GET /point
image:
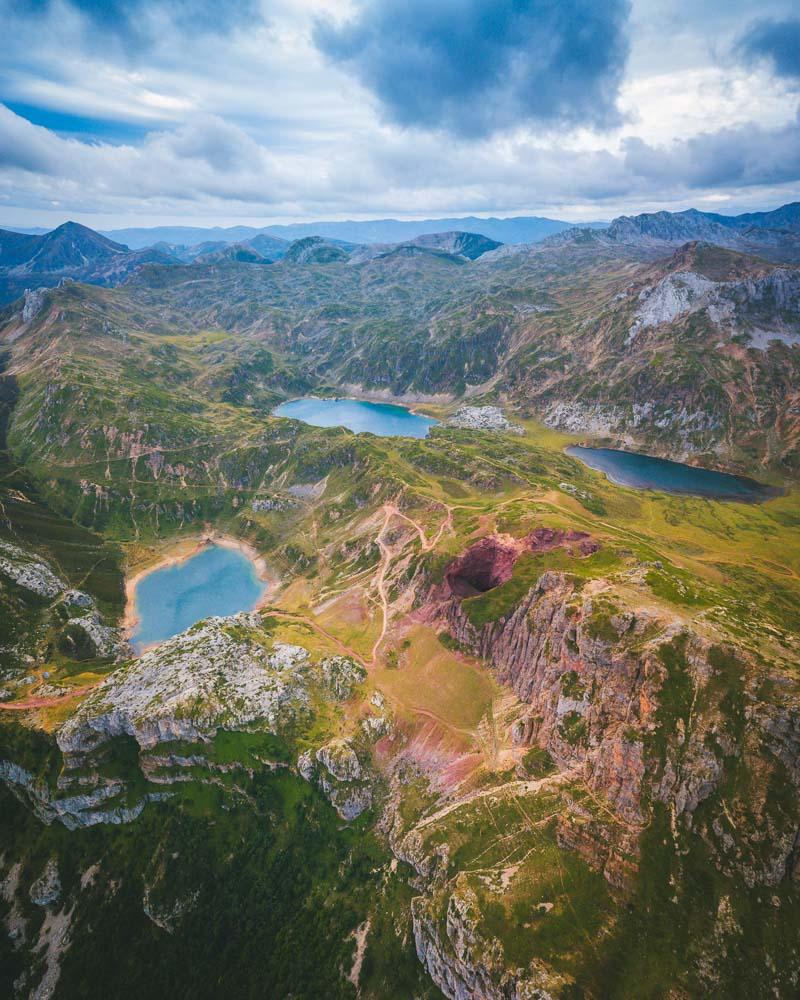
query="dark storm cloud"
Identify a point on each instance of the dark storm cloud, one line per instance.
(778, 42)
(476, 66)
(742, 156)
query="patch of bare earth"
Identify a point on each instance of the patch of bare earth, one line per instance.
(53, 940)
(360, 935)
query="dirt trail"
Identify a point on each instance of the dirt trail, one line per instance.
(391, 510)
(383, 568)
(293, 616)
(426, 544)
(512, 787)
(441, 721)
(28, 703)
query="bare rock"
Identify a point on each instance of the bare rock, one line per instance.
(216, 674)
(47, 888)
(342, 675)
(29, 571)
(483, 418)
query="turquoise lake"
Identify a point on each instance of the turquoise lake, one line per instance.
(627, 468)
(383, 419)
(216, 581)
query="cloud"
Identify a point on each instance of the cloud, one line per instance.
(256, 124)
(208, 166)
(474, 67)
(205, 157)
(138, 23)
(222, 146)
(744, 156)
(777, 42)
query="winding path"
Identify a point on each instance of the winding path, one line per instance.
(29, 703)
(391, 510)
(514, 788)
(293, 616)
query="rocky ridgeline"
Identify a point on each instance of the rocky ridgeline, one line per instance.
(734, 306)
(42, 604)
(462, 963)
(337, 770)
(639, 714)
(460, 870)
(641, 707)
(92, 798)
(216, 674)
(29, 571)
(686, 424)
(222, 674)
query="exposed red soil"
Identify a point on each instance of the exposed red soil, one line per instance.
(490, 562)
(30, 703)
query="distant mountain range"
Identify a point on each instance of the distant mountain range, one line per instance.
(74, 252)
(692, 224)
(688, 225)
(29, 260)
(70, 251)
(522, 229)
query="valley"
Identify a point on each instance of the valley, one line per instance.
(500, 727)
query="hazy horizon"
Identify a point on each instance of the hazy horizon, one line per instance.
(189, 223)
(270, 113)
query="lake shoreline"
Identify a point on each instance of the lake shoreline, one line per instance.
(388, 401)
(190, 547)
(749, 491)
(350, 419)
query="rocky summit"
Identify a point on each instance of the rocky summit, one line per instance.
(499, 727)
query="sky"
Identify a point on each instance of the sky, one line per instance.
(221, 112)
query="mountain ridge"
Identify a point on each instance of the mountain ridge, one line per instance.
(510, 229)
(514, 229)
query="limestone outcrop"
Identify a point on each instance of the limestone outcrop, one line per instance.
(483, 418)
(337, 770)
(47, 888)
(29, 571)
(217, 674)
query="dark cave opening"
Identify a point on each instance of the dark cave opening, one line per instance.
(486, 565)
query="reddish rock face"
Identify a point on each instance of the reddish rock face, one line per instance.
(594, 706)
(490, 562)
(545, 539)
(485, 565)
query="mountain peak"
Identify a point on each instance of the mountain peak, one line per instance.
(464, 244)
(315, 250)
(75, 230)
(714, 262)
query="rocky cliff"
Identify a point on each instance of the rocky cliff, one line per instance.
(645, 709)
(649, 725)
(224, 675)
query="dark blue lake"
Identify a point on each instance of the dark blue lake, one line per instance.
(383, 419)
(627, 468)
(216, 581)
